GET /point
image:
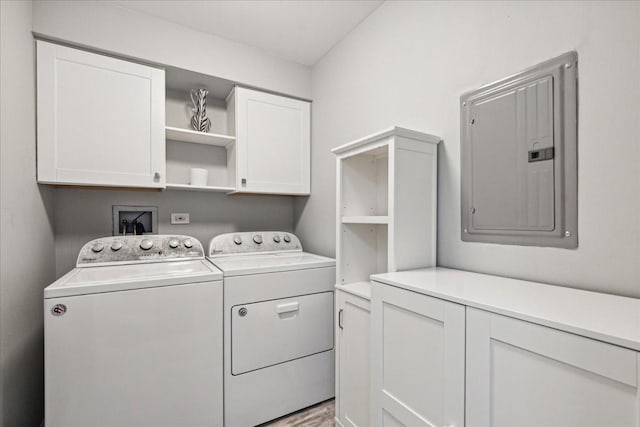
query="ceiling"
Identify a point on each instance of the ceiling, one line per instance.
(301, 31)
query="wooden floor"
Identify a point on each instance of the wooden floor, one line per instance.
(320, 415)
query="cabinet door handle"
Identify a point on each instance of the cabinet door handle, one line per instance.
(243, 181)
(156, 176)
(340, 319)
(287, 308)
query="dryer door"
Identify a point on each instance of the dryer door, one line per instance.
(272, 332)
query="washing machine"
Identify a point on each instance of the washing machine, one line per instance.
(278, 325)
(133, 336)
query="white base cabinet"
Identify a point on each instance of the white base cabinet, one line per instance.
(352, 360)
(523, 374)
(417, 359)
(441, 355)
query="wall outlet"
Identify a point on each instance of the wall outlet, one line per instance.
(179, 218)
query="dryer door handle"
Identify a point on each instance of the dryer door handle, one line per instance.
(288, 307)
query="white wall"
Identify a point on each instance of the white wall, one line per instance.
(106, 26)
(408, 63)
(26, 246)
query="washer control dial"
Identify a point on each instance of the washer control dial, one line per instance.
(146, 244)
(257, 239)
(116, 246)
(173, 243)
(276, 238)
(287, 238)
(188, 243)
(97, 247)
(237, 240)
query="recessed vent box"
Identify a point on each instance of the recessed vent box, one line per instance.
(519, 158)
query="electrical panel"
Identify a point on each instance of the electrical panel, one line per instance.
(519, 158)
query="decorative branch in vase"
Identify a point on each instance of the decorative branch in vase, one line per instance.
(199, 120)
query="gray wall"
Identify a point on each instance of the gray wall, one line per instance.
(26, 247)
(408, 63)
(82, 215)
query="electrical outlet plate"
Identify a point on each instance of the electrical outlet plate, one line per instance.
(179, 218)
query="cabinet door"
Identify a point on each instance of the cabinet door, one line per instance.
(417, 372)
(100, 120)
(273, 143)
(522, 374)
(352, 385)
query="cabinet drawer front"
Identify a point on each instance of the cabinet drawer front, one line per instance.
(520, 373)
(271, 332)
(100, 119)
(418, 358)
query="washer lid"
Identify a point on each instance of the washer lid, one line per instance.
(91, 280)
(269, 263)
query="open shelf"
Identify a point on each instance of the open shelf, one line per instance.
(366, 219)
(209, 188)
(195, 137)
(364, 250)
(365, 183)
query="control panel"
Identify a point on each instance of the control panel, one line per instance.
(145, 248)
(253, 242)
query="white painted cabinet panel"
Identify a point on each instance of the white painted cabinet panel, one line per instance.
(100, 120)
(417, 372)
(273, 135)
(352, 357)
(523, 374)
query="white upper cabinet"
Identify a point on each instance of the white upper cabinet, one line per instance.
(100, 120)
(273, 142)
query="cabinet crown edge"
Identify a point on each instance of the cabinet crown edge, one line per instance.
(392, 131)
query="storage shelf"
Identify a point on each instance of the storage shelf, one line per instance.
(366, 219)
(361, 289)
(188, 135)
(189, 187)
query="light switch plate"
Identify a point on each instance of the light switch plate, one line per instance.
(179, 218)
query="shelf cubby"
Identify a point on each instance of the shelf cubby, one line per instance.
(187, 148)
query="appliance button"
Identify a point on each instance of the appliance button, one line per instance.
(237, 240)
(276, 238)
(97, 247)
(116, 246)
(188, 244)
(287, 238)
(173, 243)
(146, 244)
(257, 239)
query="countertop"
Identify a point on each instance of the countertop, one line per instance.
(609, 318)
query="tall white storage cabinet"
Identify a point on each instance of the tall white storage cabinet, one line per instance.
(386, 204)
(273, 142)
(386, 221)
(100, 120)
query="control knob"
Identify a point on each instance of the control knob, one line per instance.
(116, 246)
(173, 243)
(237, 240)
(97, 247)
(287, 238)
(146, 244)
(276, 238)
(188, 244)
(257, 239)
